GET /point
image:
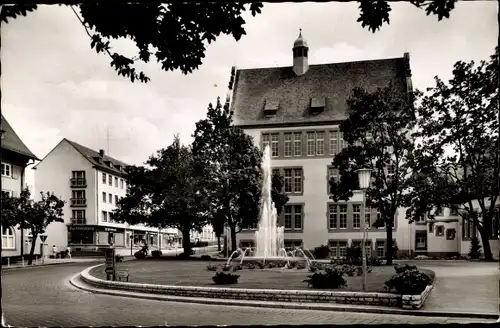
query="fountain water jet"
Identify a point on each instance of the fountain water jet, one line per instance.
(269, 237)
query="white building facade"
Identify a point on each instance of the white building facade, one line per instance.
(92, 183)
(15, 158)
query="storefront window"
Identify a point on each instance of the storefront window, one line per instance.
(81, 237)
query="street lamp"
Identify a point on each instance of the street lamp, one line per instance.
(364, 176)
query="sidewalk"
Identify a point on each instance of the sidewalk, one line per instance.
(464, 287)
(48, 261)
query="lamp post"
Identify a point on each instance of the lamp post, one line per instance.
(364, 176)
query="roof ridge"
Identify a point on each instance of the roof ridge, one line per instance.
(325, 64)
(12, 142)
(77, 145)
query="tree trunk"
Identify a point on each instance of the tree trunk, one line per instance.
(32, 250)
(232, 227)
(186, 242)
(388, 252)
(218, 243)
(485, 241)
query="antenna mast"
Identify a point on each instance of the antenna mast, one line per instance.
(107, 140)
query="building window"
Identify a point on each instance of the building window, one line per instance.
(104, 178)
(342, 143)
(110, 180)
(110, 198)
(380, 249)
(297, 144)
(121, 183)
(391, 170)
(450, 234)
(6, 170)
(78, 217)
(8, 236)
(431, 227)
(439, 212)
(104, 197)
(420, 220)
(332, 216)
(356, 216)
(288, 180)
(252, 226)
(78, 194)
(368, 217)
(81, 237)
(265, 141)
(333, 143)
(421, 240)
(116, 182)
(292, 244)
(320, 143)
(454, 211)
(293, 217)
(116, 199)
(439, 230)
(7, 193)
(342, 249)
(332, 173)
(104, 216)
(297, 181)
(275, 145)
(342, 216)
(293, 180)
(311, 151)
(288, 144)
(78, 179)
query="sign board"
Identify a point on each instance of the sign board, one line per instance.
(110, 229)
(43, 238)
(80, 228)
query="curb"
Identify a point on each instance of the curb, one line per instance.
(77, 282)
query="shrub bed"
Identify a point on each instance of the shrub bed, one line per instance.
(408, 280)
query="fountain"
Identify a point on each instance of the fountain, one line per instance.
(270, 238)
(270, 241)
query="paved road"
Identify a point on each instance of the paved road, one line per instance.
(43, 297)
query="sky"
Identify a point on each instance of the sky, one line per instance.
(55, 86)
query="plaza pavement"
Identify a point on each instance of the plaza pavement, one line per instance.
(43, 297)
(463, 286)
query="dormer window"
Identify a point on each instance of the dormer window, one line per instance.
(118, 167)
(271, 107)
(317, 105)
(98, 159)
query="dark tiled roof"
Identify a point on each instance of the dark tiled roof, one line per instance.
(11, 141)
(332, 82)
(91, 155)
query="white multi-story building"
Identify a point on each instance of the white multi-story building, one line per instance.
(15, 158)
(91, 183)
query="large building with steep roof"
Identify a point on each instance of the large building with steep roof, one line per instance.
(91, 183)
(296, 110)
(15, 158)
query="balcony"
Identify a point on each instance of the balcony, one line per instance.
(78, 182)
(78, 202)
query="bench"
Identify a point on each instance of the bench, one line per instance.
(122, 275)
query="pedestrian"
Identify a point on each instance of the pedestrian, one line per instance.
(69, 251)
(54, 251)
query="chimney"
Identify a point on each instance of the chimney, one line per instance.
(101, 152)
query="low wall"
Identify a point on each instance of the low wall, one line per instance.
(415, 302)
(299, 296)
